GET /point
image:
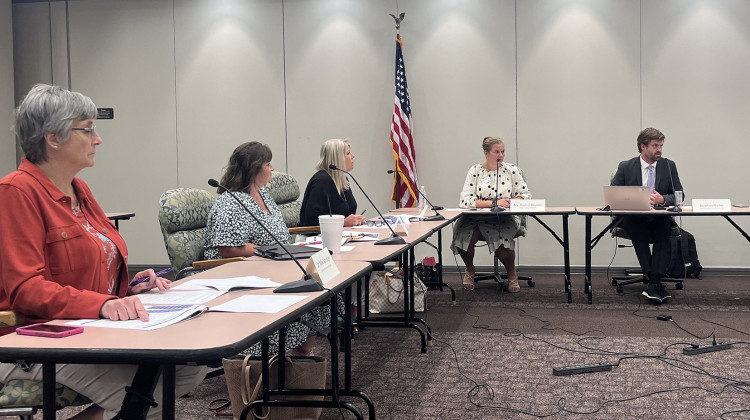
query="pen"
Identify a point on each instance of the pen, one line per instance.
(142, 279)
(363, 212)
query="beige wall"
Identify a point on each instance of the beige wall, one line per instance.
(567, 84)
(7, 140)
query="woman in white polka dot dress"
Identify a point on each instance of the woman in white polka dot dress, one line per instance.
(478, 192)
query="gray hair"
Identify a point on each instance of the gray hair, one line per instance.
(48, 109)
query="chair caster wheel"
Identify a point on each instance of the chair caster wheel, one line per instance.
(678, 286)
(531, 283)
(619, 289)
(614, 282)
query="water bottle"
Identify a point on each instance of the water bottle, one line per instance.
(422, 201)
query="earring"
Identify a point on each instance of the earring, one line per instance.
(54, 147)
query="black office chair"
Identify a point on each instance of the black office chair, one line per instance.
(636, 277)
(496, 275)
(501, 278)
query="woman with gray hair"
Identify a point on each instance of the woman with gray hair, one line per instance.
(328, 191)
(62, 258)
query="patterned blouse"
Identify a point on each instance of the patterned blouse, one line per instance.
(230, 225)
(480, 185)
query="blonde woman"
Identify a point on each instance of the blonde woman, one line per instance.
(478, 192)
(328, 191)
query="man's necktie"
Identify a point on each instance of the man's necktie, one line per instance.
(650, 181)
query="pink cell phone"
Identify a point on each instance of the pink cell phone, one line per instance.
(49, 330)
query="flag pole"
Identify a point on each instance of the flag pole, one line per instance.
(395, 174)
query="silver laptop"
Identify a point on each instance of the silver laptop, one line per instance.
(627, 197)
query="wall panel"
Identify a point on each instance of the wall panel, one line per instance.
(696, 85)
(7, 142)
(578, 109)
(229, 64)
(122, 56)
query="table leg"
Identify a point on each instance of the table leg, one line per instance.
(587, 277)
(48, 390)
(566, 258)
(168, 390)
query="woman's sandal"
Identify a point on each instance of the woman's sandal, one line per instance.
(513, 286)
(468, 280)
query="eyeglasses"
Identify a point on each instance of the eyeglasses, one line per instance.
(87, 130)
(379, 222)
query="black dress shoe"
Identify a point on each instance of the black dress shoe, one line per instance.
(652, 293)
(663, 292)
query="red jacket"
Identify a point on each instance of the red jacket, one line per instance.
(50, 266)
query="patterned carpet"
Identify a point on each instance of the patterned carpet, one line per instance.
(493, 353)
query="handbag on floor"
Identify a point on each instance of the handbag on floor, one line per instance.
(245, 385)
(387, 293)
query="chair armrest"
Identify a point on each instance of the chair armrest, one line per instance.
(215, 263)
(11, 318)
(305, 229)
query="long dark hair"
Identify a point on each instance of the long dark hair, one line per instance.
(244, 165)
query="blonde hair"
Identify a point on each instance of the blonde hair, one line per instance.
(333, 152)
(488, 142)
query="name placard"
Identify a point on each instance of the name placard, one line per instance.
(322, 267)
(528, 205)
(706, 205)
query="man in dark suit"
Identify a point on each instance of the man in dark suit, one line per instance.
(650, 169)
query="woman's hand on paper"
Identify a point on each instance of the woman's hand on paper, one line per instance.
(123, 309)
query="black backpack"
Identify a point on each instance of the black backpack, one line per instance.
(683, 261)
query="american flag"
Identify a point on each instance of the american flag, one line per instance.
(405, 187)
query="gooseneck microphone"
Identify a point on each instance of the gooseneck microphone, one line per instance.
(437, 216)
(308, 283)
(674, 207)
(394, 239)
(495, 207)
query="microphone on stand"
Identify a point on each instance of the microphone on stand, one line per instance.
(398, 186)
(495, 207)
(394, 239)
(437, 215)
(308, 283)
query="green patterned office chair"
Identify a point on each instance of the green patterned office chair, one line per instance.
(284, 190)
(183, 214)
(23, 397)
